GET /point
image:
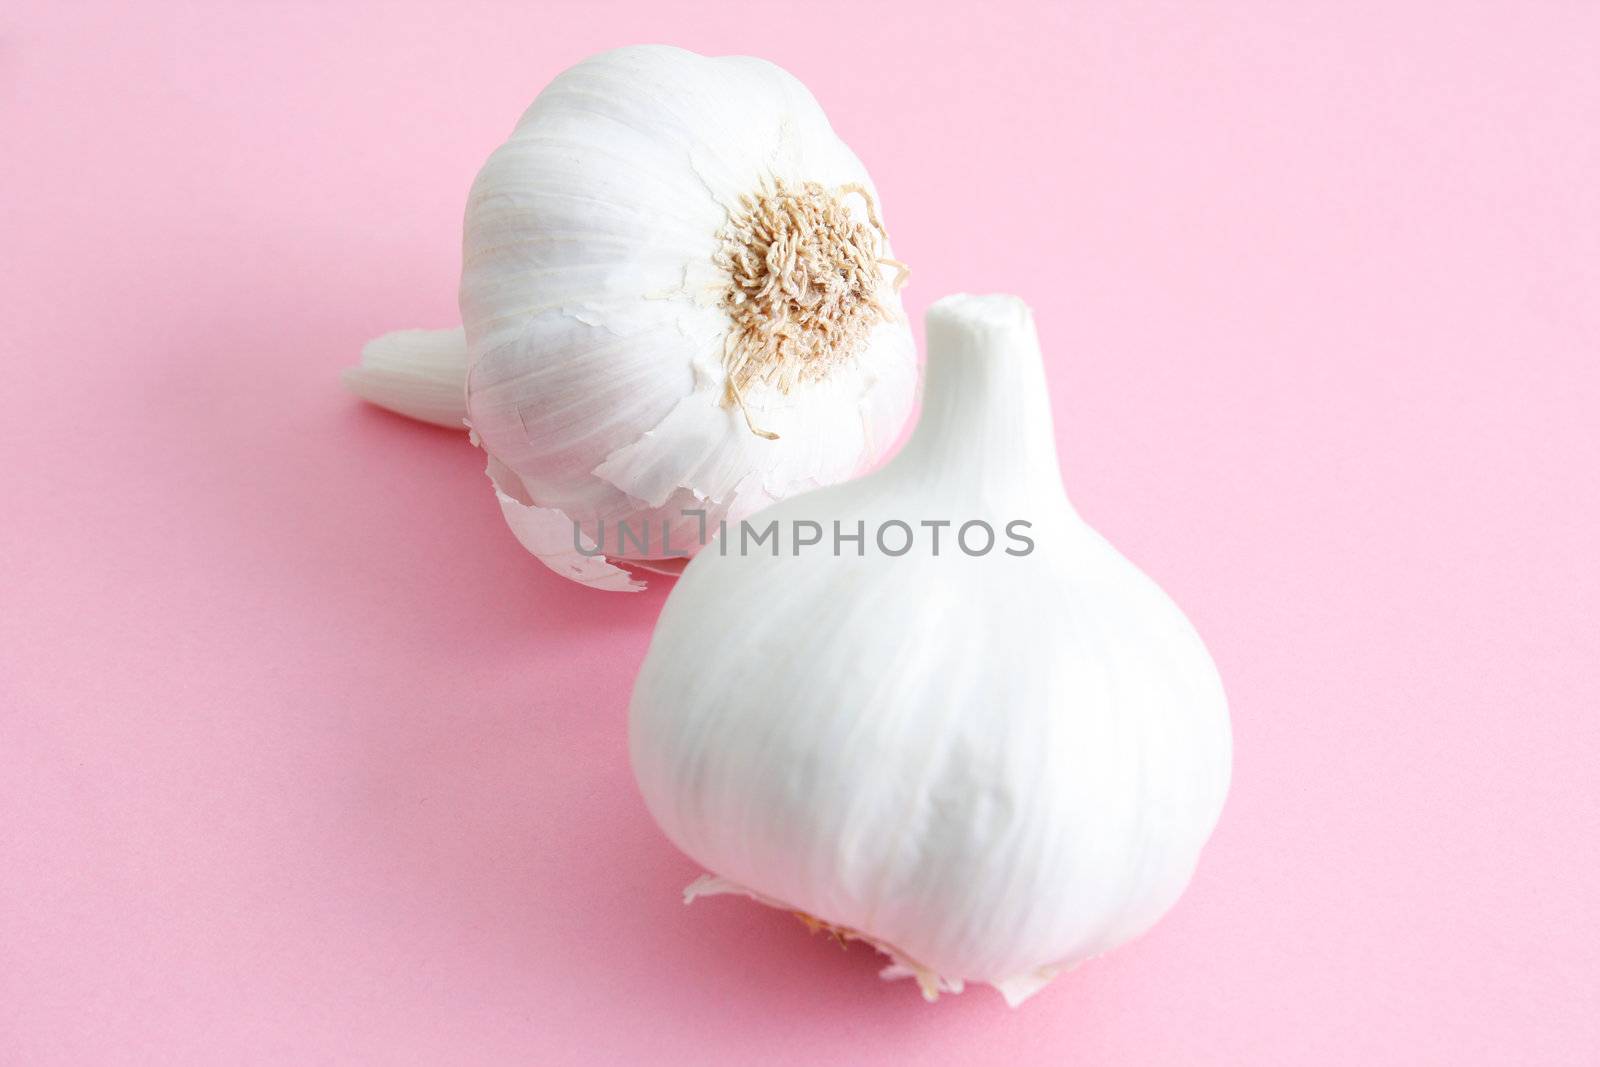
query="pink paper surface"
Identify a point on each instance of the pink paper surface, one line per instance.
(302, 760)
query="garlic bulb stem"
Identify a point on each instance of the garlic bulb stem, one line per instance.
(986, 426)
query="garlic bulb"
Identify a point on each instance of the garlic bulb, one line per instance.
(932, 709)
(677, 296)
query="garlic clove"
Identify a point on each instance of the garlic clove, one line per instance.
(418, 373)
(702, 446)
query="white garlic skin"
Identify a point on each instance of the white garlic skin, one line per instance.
(593, 311)
(993, 767)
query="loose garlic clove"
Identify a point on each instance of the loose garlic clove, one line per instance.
(420, 373)
(678, 297)
(990, 756)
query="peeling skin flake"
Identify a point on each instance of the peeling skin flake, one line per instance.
(669, 567)
(547, 533)
(1015, 990)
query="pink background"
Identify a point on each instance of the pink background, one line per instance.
(302, 760)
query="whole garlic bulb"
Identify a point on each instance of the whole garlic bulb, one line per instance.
(677, 296)
(992, 754)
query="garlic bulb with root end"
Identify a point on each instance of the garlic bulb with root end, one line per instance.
(678, 297)
(939, 713)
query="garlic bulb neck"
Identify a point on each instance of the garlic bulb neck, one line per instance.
(986, 427)
(805, 285)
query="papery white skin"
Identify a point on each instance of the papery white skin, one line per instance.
(594, 330)
(990, 767)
